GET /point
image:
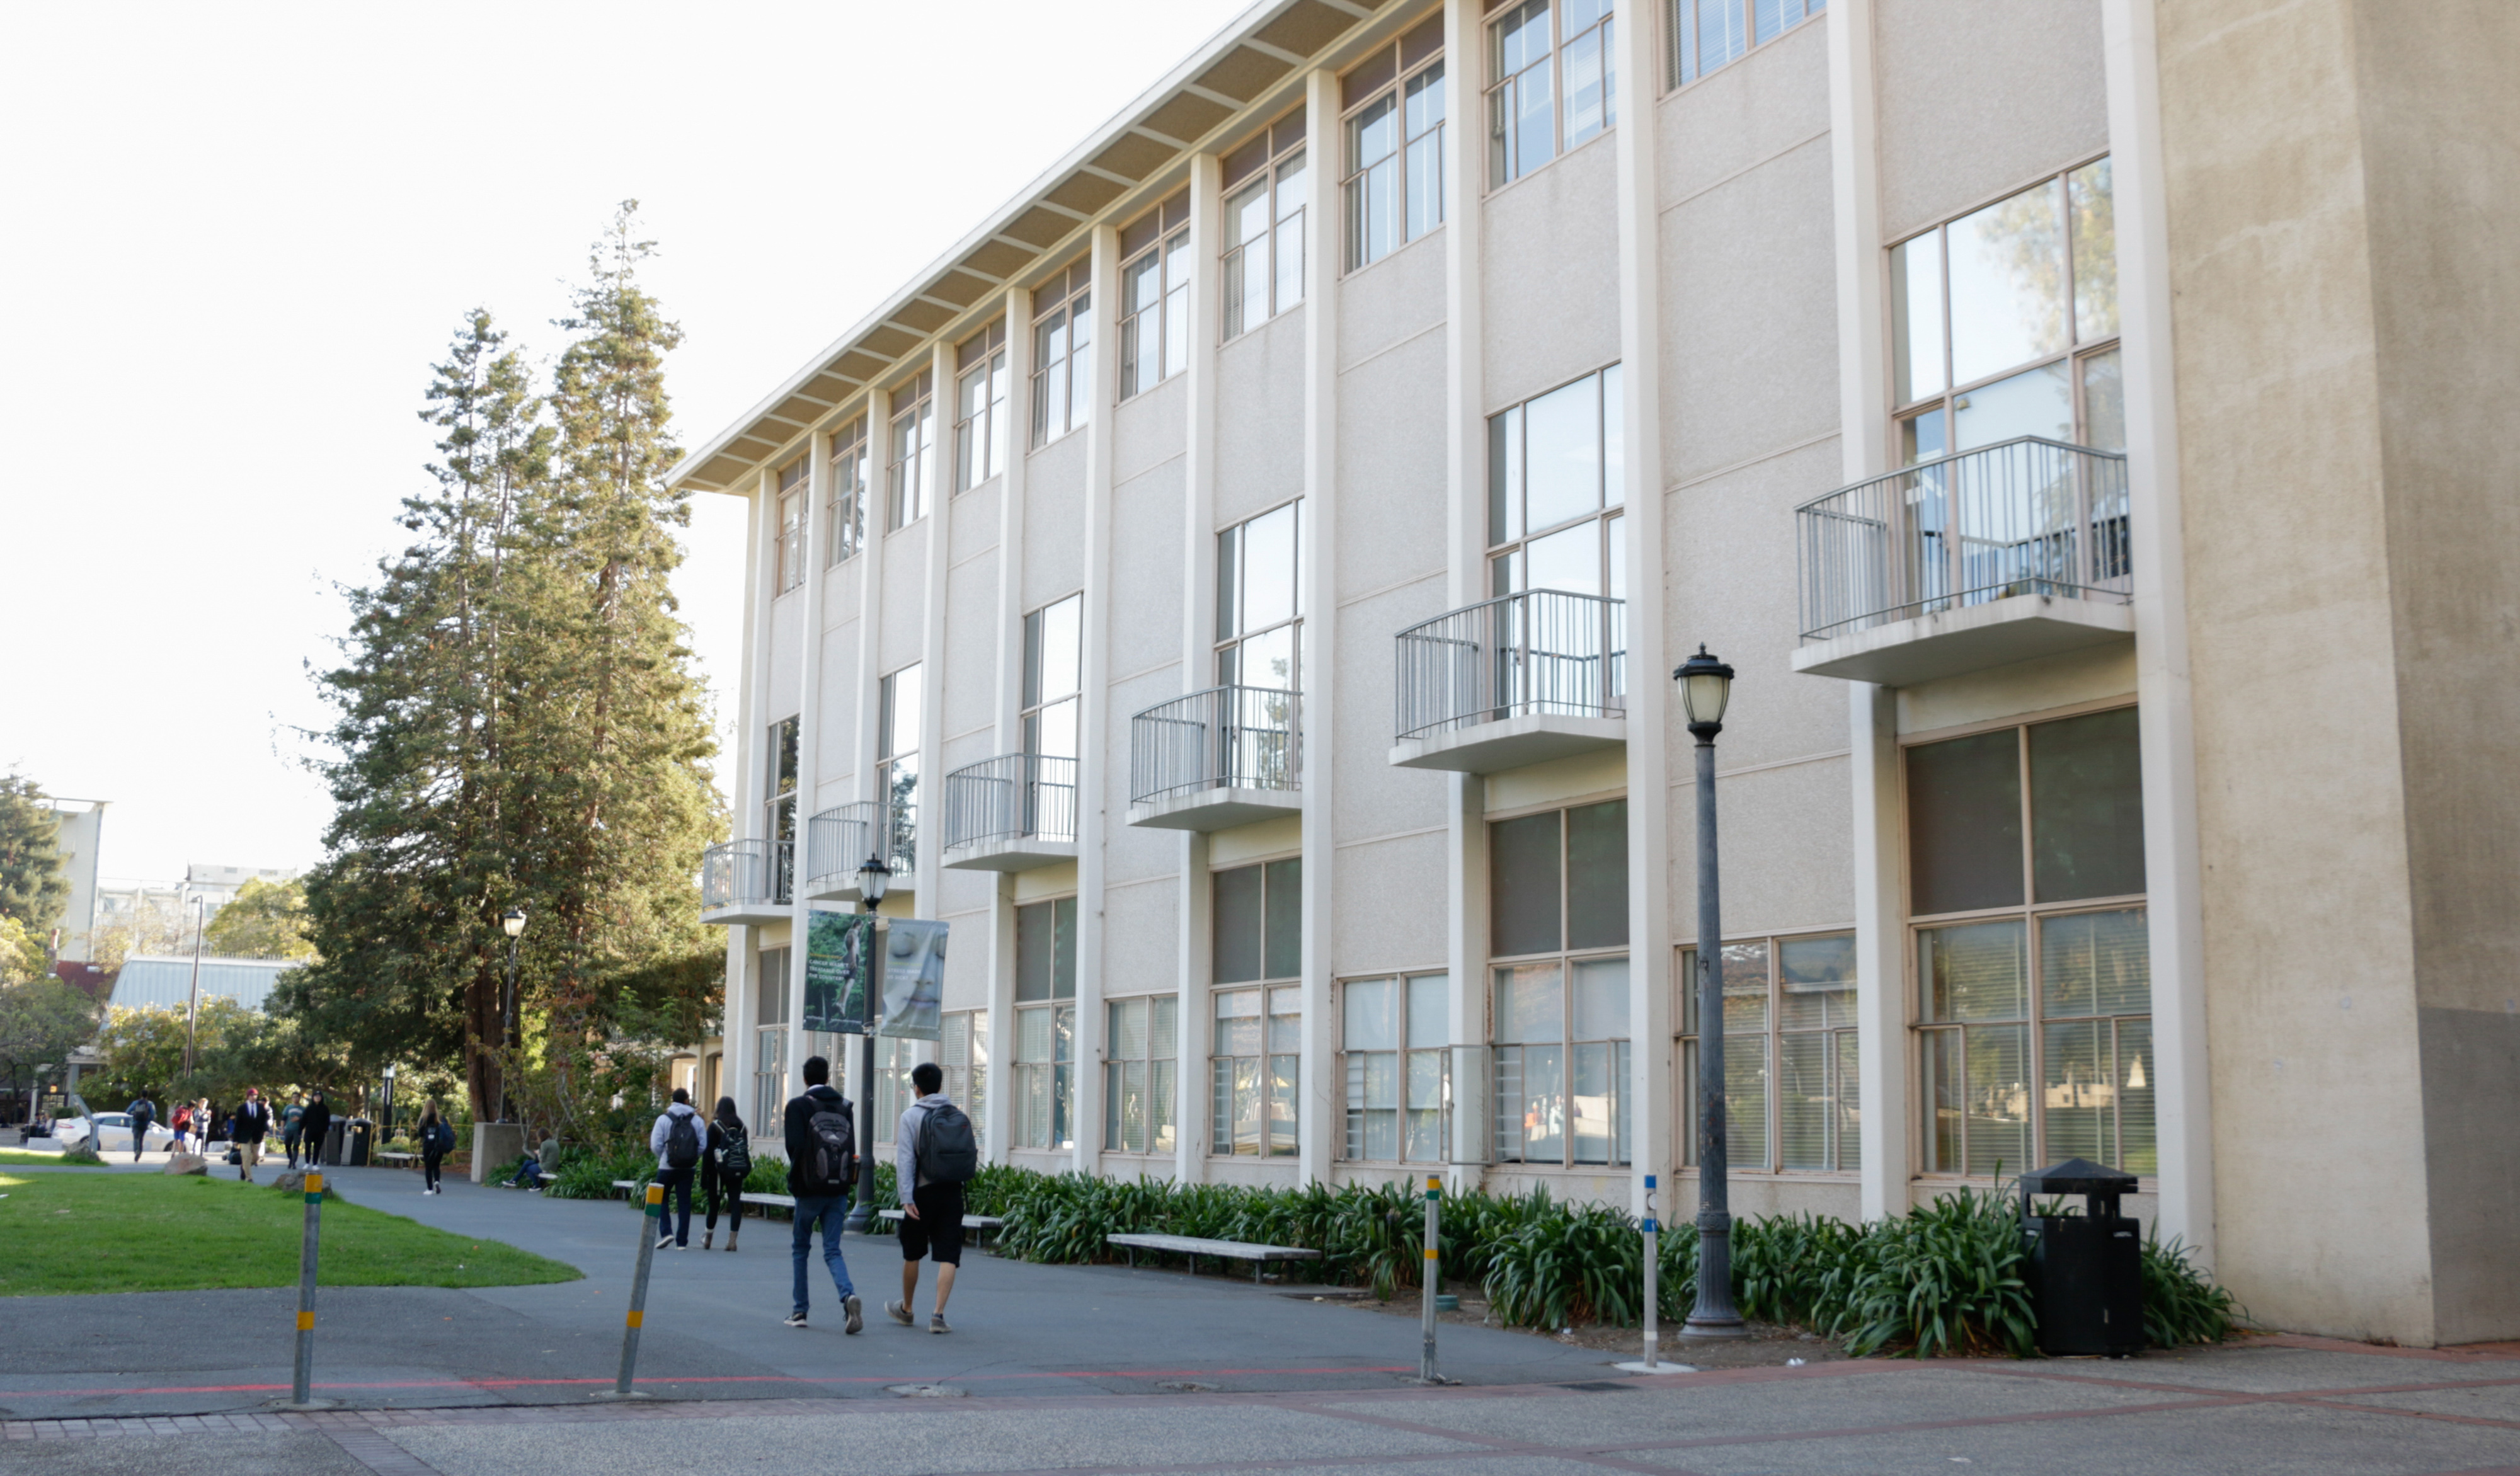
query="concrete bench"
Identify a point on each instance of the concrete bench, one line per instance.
(397, 1160)
(975, 1226)
(1195, 1247)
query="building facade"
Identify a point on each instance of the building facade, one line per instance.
(1236, 587)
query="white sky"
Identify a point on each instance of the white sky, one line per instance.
(240, 234)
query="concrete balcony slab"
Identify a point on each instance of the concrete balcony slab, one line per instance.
(1952, 643)
(1218, 809)
(1510, 743)
(1010, 853)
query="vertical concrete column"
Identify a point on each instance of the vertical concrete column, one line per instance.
(741, 1052)
(1872, 716)
(1094, 741)
(809, 709)
(871, 546)
(1317, 1116)
(1649, 1095)
(1465, 544)
(999, 1117)
(1197, 966)
(2165, 706)
(932, 634)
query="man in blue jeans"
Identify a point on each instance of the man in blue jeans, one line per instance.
(821, 1134)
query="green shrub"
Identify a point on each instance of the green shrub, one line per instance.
(2181, 1304)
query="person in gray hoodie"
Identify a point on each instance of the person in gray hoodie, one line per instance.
(931, 1167)
(677, 1141)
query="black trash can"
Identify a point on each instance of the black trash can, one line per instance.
(332, 1137)
(361, 1139)
(2086, 1272)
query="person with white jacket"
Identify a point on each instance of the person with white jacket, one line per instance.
(677, 1141)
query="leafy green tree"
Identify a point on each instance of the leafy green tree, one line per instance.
(143, 1050)
(266, 919)
(35, 886)
(42, 1020)
(21, 953)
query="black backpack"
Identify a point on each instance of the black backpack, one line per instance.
(735, 1157)
(948, 1151)
(682, 1140)
(831, 1162)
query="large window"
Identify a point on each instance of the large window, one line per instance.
(913, 443)
(1557, 914)
(1395, 144)
(1705, 34)
(2033, 962)
(1260, 601)
(1790, 1063)
(1259, 927)
(893, 1092)
(897, 761)
(778, 811)
(1154, 296)
(1045, 1060)
(1551, 82)
(980, 407)
(848, 490)
(963, 1050)
(1557, 482)
(1263, 225)
(1138, 1089)
(2005, 323)
(1393, 1056)
(770, 1037)
(1063, 353)
(791, 525)
(1052, 677)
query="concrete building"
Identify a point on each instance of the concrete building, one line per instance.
(1235, 585)
(80, 828)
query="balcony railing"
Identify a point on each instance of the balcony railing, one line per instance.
(747, 873)
(2024, 516)
(1540, 652)
(1015, 796)
(839, 839)
(1225, 737)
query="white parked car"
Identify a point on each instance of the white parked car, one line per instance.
(111, 1131)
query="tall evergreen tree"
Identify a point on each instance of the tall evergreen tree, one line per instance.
(34, 887)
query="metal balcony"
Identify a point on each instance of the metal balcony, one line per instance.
(747, 881)
(838, 841)
(1976, 559)
(1010, 813)
(1516, 680)
(1214, 759)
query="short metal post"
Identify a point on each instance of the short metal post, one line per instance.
(650, 1224)
(1433, 1276)
(302, 1382)
(1653, 1279)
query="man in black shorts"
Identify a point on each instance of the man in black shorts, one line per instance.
(931, 1225)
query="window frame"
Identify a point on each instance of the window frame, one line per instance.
(1233, 567)
(1352, 1069)
(911, 446)
(1505, 160)
(2078, 354)
(1410, 77)
(1680, 71)
(1846, 1166)
(848, 491)
(770, 1035)
(1277, 1092)
(1166, 258)
(1151, 1106)
(2034, 916)
(795, 489)
(1509, 488)
(893, 764)
(1036, 700)
(1056, 1076)
(981, 454)
(1566, 956)
(1059, 306)
(1274, 173)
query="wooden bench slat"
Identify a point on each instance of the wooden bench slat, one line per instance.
(1235, 1250)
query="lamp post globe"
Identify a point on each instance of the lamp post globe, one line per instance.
(874, 879)
(1705, 688)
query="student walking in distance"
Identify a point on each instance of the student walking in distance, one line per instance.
(821, 1138)
(436, 1140)
(292, 1123)
(251, 1124)
(723, 1171)
(314, 1128)
(181, 1123)
(935, 1152)
(142, 1112)
(676, 1141)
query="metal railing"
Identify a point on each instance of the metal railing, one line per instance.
(1015, 796)
(2023, 517)
(742, 873)
(1225, 737)
(1540, 651)
(839, 839)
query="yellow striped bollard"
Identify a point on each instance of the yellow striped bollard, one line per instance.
(648, 1224)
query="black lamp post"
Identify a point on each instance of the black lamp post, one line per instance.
(1705, 687)
(514, 925)
(874, 879)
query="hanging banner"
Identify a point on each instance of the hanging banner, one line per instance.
(913, 981)
(835, 951)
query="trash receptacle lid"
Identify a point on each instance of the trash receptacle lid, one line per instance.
(2078, 1176)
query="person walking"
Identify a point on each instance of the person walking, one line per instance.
(252, 1123)
(314, 1128)
(143, 1114)
(723, 1171)
(293, 1125)
(935, 1152)
(180, 1124)
(676, 1142)
(436, 1140)
(821, 1138)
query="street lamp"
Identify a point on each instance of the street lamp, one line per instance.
(1705, 687)
(514, 925)
(874, 878)
(192, 997)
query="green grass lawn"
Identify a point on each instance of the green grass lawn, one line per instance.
(74, 1233)
(16, 1158)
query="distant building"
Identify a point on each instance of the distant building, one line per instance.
(157, 980)
(217, 885)
(81, 826)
